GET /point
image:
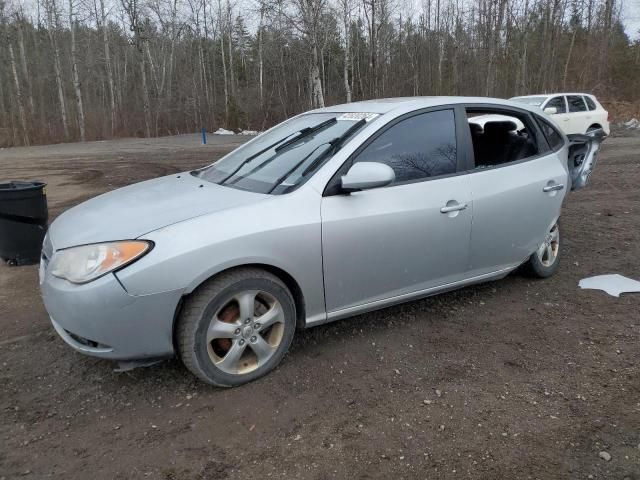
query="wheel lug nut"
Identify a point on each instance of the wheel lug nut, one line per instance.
(237, 332)
(253, 339)
(256, 326)
(247, 320)
(242, 342)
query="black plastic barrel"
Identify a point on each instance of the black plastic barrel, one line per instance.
(23, 221)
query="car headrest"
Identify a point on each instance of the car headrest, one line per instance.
(499, 128)
(476, 128)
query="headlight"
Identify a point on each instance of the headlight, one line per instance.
(88, 262)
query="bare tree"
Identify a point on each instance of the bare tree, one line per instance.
(224, 63)
(132, 10)
(23, 60)
(157, 67)
(346, 9)
(102, 22)
(74, 71)
(51, 9)
(19, 100)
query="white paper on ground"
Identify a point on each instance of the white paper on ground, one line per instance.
(612, 284)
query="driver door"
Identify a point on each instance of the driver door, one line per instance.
(401, 240)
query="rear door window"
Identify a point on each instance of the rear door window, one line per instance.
(576, 103)
(590, 103)
(500, 138)
(558, 103)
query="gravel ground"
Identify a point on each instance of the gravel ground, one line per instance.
(511, 379)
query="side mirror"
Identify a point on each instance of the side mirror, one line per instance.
(551, 110)
(367, 175)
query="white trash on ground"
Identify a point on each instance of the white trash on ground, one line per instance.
(633, 123)
(613, 284)
(222, 131)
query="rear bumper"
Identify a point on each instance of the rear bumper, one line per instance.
(101, 319)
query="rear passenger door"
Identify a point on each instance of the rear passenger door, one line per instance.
(578, 115)
(515, 201)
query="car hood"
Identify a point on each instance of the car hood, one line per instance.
(140, 208)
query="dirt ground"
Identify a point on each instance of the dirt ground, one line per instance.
(512, 379)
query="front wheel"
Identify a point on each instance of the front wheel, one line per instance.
(545, 260)
(236, 327)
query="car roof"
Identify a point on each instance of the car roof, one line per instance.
(385, 105)
(553, 94)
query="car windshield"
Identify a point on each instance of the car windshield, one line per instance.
(533, 101)
(283, 158)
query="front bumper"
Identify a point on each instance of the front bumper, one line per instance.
(100, 318)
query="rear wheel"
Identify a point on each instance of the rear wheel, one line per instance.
(236, 327)
(545, 260)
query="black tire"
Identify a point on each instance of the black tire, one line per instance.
(200, 307)
(537, 268)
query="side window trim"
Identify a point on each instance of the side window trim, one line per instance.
(466, 157)
(342, 170)
(539, 119)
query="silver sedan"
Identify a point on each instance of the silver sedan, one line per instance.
(332, 213)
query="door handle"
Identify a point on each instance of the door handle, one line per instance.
(453, 208)
(553, 188)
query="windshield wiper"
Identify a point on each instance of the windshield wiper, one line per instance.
(283, 177)
(300, 134)
(305, 132)
(334, 145)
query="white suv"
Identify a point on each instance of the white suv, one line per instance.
(574, 112)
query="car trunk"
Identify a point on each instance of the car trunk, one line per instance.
(583, 154)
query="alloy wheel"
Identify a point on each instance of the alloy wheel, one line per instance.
(548, 251)
(245, 332)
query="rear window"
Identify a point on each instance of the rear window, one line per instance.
(533, 101)
(576, 103)
(553, 137)
(590, 103)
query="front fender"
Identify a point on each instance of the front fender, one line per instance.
(284, 233)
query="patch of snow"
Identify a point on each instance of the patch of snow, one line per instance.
(612, 284)
(222, 131)
(249, 132)
(633, 123)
